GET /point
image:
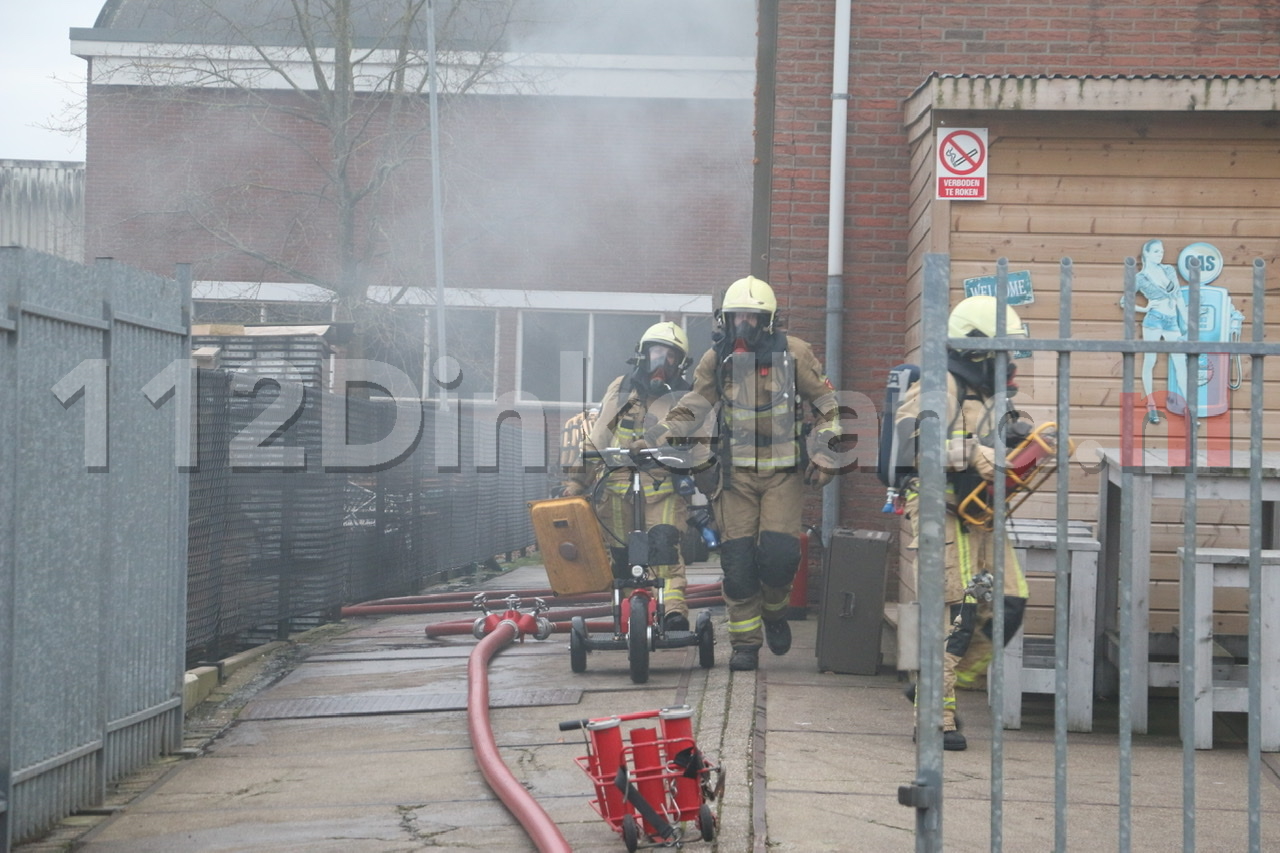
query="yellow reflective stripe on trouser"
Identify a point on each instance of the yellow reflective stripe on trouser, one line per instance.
(746, 626)
(774, 607)
(967, 676)
(1012, 568)
(964, 554)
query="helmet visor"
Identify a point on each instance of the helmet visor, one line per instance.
(661, 355)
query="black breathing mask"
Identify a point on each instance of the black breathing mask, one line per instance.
(741, 329)
(654, 371)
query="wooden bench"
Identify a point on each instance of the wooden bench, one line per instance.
(1029, 661)
(1229, 568)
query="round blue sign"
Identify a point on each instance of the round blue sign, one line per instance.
(1210, 261)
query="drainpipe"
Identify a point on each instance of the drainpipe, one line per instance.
(835, 233)
(762, 174)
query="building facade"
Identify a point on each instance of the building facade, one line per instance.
(1107, 125)
(679, 148)
(594, 173)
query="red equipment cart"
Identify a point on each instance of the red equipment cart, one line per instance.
(647, 788)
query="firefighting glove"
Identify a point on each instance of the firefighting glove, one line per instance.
(961, 452)
(1015, 430)
(821, 470)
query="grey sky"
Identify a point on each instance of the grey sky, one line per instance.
(35, 48)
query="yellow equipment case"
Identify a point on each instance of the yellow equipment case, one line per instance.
(572, 545)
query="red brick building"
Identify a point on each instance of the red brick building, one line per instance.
(1109, 123)
(595, 175)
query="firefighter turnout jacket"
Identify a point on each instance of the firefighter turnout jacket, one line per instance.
(760, 396)
(624, 415)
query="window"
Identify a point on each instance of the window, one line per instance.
(699, 328)
(607, 339)
(471, 336)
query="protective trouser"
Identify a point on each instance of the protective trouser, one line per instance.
(759, 518)
(967, 649)
(660, 514)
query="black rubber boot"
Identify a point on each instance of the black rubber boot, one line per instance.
(744, 658)
(954, 742)
(674, 621)
(778, 635)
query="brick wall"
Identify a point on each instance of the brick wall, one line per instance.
(540, 193)
(894, 46)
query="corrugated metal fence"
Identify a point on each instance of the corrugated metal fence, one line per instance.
(93, 545)
(109, 586)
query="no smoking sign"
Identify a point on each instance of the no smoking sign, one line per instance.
(962, 163)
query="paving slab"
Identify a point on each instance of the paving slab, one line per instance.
(812, 761)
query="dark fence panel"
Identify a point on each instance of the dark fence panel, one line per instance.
(280, 542)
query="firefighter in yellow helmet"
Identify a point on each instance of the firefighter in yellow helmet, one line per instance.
(632, 402)
(572, 435)
(759, 376)
(968, 554)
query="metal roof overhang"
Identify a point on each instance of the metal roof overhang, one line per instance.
(1046, 92)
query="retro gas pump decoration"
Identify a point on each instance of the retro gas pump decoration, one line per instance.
(1165, 317)
(1218, 374)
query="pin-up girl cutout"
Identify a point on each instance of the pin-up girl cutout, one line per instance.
(1164, 317)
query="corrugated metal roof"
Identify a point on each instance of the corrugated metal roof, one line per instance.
(1189, 93)
(641, 27)
(42, 206)
(937, 75)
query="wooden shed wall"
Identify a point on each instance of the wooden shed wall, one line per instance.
(1094, 187)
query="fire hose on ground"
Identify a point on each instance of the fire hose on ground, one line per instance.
(541, 829)
(447, 602)
(496, 631)
(560, 621)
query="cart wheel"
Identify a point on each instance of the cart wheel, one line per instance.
(706, 641)
(638, 639)
(630, 833)
(578, 644)
(707, 823)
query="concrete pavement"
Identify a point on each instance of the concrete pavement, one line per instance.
(353, 738)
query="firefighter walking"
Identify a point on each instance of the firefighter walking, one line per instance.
(757, 376)
(968, 553)
(632, 402)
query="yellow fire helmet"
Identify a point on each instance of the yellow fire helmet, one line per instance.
(669, 334)
(976, 315)
(751, 295)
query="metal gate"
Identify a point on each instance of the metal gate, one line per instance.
(1196, 461)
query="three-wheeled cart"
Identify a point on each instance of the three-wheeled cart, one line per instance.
(577, 560)
(650, 788)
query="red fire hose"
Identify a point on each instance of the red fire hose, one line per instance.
(445, 602)
(544, 833)
(560, 620)
(503, 629)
